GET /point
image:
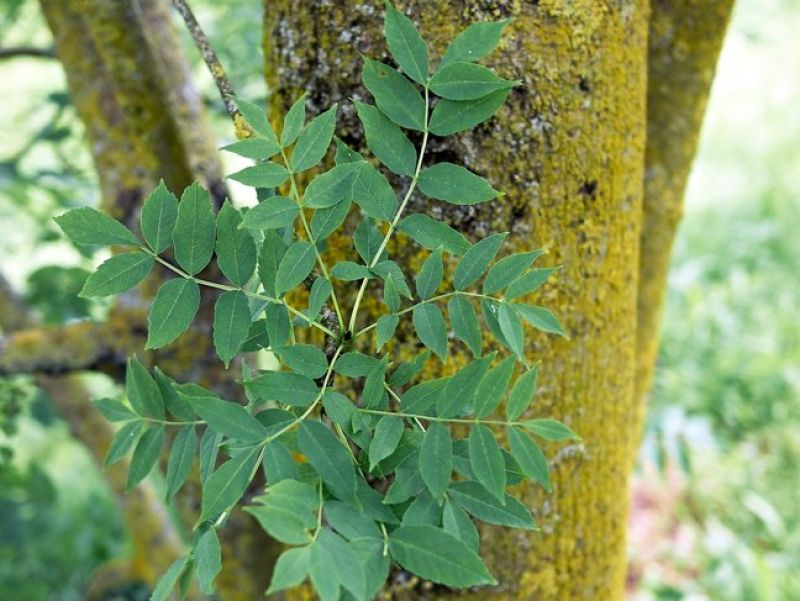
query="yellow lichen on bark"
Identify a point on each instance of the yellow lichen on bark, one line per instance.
(684, 43)
(568, 152)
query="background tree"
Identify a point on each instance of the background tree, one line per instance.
(584, 158)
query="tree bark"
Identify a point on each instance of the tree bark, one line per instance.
(684, 44)
(568, 151)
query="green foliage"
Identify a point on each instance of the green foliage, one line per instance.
(333, 418)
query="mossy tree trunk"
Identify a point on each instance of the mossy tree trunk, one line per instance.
(581, 157)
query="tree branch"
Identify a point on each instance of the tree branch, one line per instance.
(27, 52)
(57, 350)
(214, 66)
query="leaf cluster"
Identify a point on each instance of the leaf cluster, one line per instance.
(362, 469)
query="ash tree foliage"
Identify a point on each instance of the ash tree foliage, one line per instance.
(362, 471)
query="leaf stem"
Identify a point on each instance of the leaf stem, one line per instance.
(396, 220)
(430, 300)
(264, 297)
(296, 195)
(432, 418)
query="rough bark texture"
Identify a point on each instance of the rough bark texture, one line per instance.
(130, 84)
(684, 44)
(568, 151)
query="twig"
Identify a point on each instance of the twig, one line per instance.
(211, 60)
(27, 51)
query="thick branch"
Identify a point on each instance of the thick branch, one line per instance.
(57, 350)
(685, 39)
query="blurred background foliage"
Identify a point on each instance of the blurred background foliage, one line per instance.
(716, 498)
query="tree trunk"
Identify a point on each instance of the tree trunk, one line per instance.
(568, 151)
(685, 41)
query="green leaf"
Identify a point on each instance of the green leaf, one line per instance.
(423, 510)
(373, 393)
(253, 148)
(347, 271)
(367, 240)
(550, 429)
(181, 458)
(89, 226)
(528, 283)
(257, 119)
(453, 116)
(170, 578)
(407, 481)
(257, 337)
(486, 461)
(263, 175)
(123, 441)
(349, 522)
(530, 457)
(231, 324)
(384, 331)
(511, 327)
(430, 327)
(437, 556)
(175, 405)
(421, 399)
(118, 274)
(507, 269)
(271, 214)
(278, 325)
(385, 439)
(236, 249)
(329, 457)
(287, 511)
(290, 570)
(489, 309)
(406, 44)
(293, 121)
(459, 391)
(455, 184)
(375, 564)
(313, 141)
(476, 260)
(209, 449)
(465, 323)
(339, 408)
(207, 556)
(540, 318)
(521, 394)
(493, 387)
(278, 463)
(227, 484)
(430, 275)
(355, 364)
(325, 221)
(227, 417)
(475, 500)
(345, 154)
(436, 460)
(143, 392)
(159, 213)
(305, 359)
(145, 455)
(172, 311)
(113, 410)
(432, 234)
(193, 236)
(396, 97)
(406, 371)
(475, 42)
(387, 141)
(295, 266)
(332, 187)
(386, 269)
(467, 81)
(373, 193)
(284, 387)
(321, 290)
(455, 521)
(270, 256)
